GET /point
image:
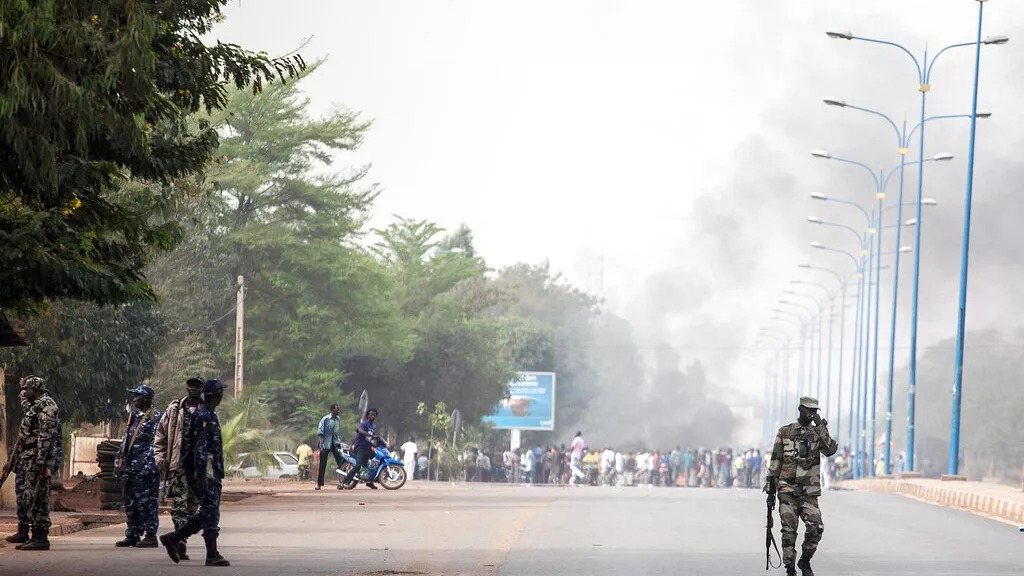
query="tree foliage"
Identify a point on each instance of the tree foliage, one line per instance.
(95, 106)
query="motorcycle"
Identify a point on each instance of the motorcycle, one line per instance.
(382, 469)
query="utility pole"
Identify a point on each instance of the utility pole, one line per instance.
(240, 338)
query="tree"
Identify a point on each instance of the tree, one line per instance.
(89, 355)
(95, 102)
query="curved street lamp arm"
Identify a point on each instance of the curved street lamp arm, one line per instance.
(859, 235)
(928, 72)
(867, 216)
(896, 129)
(874, 177)
(917, 126)
(917, 64)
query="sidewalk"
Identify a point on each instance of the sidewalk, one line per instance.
(995, 500)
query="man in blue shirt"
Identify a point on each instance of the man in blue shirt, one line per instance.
(366, 435)
(328, 442)
(140, 478)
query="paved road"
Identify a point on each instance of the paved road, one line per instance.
(517, 531)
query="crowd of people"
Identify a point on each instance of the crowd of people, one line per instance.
(578, 464)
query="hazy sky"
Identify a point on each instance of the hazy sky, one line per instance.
(668, 138)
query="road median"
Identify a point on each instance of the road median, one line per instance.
(995, 500)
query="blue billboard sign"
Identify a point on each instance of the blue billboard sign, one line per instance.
(530, 404)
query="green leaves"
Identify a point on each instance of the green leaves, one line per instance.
(95, 93)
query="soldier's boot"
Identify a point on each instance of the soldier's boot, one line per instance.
(213, 557)
(19, 537)
(182, 550)
(790, 570)
(40, 540)
(149, 541)
(805, 565)
(128, 542)
(171, 540)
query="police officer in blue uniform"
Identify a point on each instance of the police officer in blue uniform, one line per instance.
(140, 478)
(204, 468)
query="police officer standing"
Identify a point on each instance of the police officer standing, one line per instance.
(795, 475)
(169, 451)
(204, 469)
(140, 478)
(36, 455)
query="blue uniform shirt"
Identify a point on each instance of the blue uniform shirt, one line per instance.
(137, 447)
(209, 451)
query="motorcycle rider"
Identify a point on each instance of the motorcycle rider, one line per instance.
(366, 437)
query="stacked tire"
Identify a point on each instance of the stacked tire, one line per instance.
(110, 486)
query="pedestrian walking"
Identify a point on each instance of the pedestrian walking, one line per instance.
(328, 435)
(137, 469)
(304, 453)
(37, 452)
(795, 475)
(169, 451)
(204, 470)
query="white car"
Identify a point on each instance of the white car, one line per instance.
(285, 467)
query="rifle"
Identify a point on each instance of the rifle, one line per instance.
(769, 539)
(10, 462)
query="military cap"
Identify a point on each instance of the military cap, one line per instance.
(213, 387)
(808, 402)
(33, 383)
(197, 381)
(143, 391)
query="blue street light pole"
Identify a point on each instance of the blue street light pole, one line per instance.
(903, 139)
(858, 351)
(843, 284)
(961, 319)
(924, 71)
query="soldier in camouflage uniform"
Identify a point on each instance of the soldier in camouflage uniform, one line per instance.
(169, 451)
(140, 478)
(21, 536)
(36, 459)
(204, 468)
(795, 474)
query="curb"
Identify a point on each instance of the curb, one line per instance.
(1003, 508)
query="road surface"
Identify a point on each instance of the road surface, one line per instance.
(519, 531)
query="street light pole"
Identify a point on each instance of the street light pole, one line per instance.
(924, 71)
(958, 370)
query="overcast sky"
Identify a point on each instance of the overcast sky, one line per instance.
(668, 139)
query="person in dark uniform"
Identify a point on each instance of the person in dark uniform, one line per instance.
(204, 469)
(36, 458)
(140, 478)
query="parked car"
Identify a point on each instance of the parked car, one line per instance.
(285, 466)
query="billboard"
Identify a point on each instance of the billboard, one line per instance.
(530, 405)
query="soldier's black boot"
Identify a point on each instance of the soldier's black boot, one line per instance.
(148, 542)
(128, 542)
(790, 570)
(213, 557)
(182, 550)
(171, 540)
(19, 537)
(40, 540)
(805, 565)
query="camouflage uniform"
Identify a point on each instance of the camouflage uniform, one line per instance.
(37, 451)
(796, 468)
(140, 478)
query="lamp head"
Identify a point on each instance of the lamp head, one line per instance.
(942, 156)
(814, 220)
(996, 40)
(818, 196)
(821, 154)
(839, 34)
